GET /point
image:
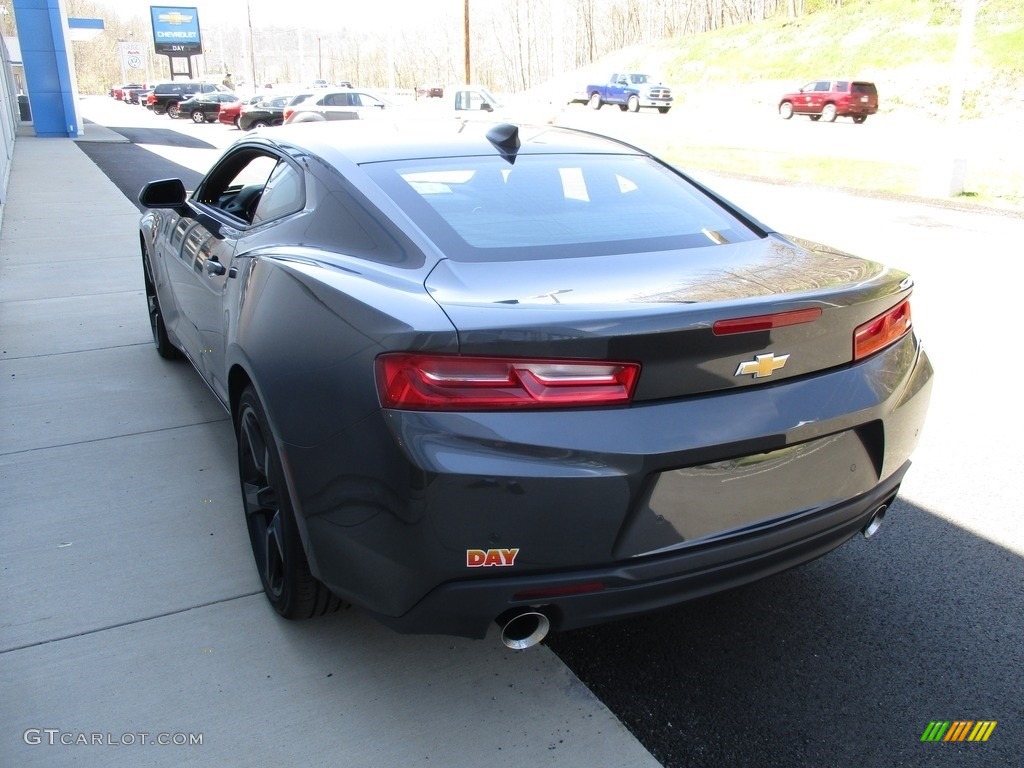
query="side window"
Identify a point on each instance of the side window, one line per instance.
(282, 195)
(843, 86)
(237, 183)
(821, 85)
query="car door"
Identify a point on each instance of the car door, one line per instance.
(804, 102)
(221, 211)
(617, 89)
(337, 106)
(818, 96)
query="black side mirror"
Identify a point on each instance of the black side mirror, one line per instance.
(165, 193)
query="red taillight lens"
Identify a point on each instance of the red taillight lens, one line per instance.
(287, 113)
(766, 322)
(409, 381)
(882, 331)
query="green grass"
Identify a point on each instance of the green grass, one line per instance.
(905, 46)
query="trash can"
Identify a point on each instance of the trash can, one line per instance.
(24, 109)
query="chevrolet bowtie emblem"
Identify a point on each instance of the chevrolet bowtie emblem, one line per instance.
(761, 366)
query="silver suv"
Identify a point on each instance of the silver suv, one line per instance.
(338, 104)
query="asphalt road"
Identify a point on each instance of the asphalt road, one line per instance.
(848, 659)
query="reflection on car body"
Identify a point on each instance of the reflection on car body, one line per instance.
(459, 396)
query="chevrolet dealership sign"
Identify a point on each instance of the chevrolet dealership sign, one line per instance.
(176, 30)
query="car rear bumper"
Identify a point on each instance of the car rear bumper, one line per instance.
(427, 543)
(583, 597)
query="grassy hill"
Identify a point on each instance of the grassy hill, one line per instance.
(905, 46)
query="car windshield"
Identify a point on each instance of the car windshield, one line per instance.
(548, 206)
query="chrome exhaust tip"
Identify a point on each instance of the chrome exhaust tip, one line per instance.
(875, 522)
(524, 629)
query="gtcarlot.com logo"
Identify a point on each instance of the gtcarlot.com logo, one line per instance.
(958, 730)
(54, 736)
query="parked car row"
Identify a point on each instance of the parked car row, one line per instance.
(212, 102)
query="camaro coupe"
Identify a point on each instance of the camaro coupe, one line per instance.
(520, 374)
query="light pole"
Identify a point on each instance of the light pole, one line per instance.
(252, 48)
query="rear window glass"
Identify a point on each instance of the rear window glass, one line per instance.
(554, 206)
(868, 88)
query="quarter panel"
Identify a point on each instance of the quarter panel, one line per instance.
(308, 335)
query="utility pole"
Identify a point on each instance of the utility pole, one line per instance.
(465, 5)
(252, 48)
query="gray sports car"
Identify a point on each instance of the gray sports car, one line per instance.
(529, 375)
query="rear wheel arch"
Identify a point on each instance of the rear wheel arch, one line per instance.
(238, 380)
(277, 540)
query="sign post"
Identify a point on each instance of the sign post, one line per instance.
(132, 63)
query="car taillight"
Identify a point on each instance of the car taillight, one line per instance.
(878, 333)
(412, 381)
(287, 113)
(765, 322)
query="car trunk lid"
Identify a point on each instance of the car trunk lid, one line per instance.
(685, 316)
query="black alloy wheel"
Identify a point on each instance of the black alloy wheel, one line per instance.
(276, 547)
(164, 347)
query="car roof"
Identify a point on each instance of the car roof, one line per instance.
(369, 141)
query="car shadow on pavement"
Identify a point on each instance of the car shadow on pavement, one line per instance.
(159, 137)
(131, 167)
(843, 661)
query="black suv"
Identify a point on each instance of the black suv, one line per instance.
(166, 96)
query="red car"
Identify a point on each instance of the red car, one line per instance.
(118, 91)
(828, 99)
(230, 112)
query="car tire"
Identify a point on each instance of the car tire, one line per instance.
(595, 101)
(198, 116)
(828, 113)
(164, 347)
(238, 122)
(664, 110)
(158, 111)
(785, 110)
(172, 110)
(259, 124)
(623, 107)
(860, 119)
(633, 104)
(814, 118)
(289, 585)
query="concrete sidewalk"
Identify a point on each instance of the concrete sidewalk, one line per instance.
(130, 610)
